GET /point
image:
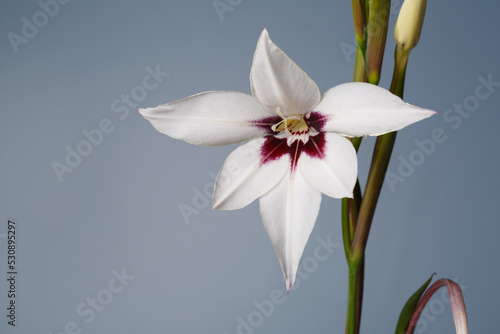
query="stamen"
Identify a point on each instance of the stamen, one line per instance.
(289, 124)
(275, 126)
(278, 110)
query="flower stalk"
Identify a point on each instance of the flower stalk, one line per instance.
(380, 161)
(355, 292)
(358, 212)
(350, 206)
(382, 153)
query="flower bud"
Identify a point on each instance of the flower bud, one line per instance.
(409, 23)
(456, 301)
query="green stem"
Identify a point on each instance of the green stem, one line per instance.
(350, 209)
(380, 161)
(355, 296)
(399, 74)
(350, 206)
(346, 227)
(370, 24)
(360, 66)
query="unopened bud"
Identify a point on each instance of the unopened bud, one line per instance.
(409, 23)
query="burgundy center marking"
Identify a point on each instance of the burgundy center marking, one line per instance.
(316, 120)
(267, 123)
(274, 148)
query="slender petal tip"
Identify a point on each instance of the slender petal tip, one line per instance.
(142, 111)
(376, 113)
(278, 81)
(209, 118)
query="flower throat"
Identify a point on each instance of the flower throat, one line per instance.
(292, 125)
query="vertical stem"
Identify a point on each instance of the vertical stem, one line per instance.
(355, 295)
(370, 24)
(354, 208)
(399, 74)
(350, 206)
(346, 228)
(359, 66)
(380, 161)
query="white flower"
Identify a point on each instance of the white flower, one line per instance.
(295, 151)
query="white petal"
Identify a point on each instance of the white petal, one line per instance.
(243, 178)
(359, 109)
(289, 212)
(209, 118)
(335, 174)
(278, 82)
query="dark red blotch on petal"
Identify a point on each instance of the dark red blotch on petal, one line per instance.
(267, 123)
(274, 148)
(315, 146)
(316, 120)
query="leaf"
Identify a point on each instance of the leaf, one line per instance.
(409, 308)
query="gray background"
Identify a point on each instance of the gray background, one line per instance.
(119, 208)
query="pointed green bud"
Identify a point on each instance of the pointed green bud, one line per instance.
(378, 22)
(409, 23)
(359, 18)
